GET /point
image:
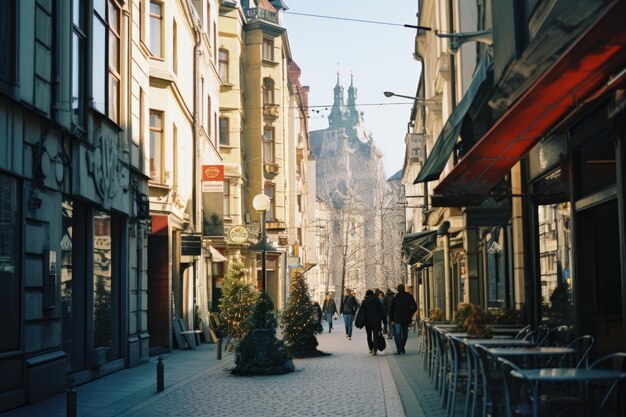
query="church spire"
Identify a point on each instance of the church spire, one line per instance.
(335, 117)
(353, 113)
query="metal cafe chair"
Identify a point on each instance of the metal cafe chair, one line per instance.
(458, 373)
(522, 333)
(595, 391)
(517, 391)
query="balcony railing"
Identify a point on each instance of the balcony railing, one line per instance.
(261, 14)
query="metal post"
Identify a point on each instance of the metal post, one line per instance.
(160, 375)
(219, 348)
(71, 401)
(264, 253)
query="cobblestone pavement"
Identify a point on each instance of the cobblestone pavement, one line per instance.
(349, 382)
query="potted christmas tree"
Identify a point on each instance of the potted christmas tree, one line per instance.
(259, 352)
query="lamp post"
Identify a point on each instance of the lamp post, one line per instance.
(420, 100)
(261, 203)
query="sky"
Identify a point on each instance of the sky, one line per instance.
(380, 57)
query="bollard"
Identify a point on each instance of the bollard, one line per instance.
(219, 348)
(70, 402)
(160, 375)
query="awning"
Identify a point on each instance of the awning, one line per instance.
(579, 76)
(418, 246)
(439, 155)
(216, 256)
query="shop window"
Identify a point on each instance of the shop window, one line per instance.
(7, 42)
(553, 230)
(9, 265)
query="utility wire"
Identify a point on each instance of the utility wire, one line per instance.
(374, 22)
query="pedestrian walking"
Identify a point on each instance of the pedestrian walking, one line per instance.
(350, 306)
(317, 311)
(329, 308)
(401, 311)
(370, 315)
(388, 299)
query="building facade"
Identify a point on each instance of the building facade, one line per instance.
(74, 198)
(532, 156)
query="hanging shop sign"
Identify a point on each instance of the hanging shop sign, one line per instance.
(238, 234)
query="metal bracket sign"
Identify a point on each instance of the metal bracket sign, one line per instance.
(191, 244)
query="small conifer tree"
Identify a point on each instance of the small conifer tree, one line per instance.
(300, 322)
(238, 297)
(259, 352)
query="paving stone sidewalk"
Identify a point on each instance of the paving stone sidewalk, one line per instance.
(349, 382)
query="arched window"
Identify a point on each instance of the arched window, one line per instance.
(268, 91)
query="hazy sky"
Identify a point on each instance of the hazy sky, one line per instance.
(379, 56)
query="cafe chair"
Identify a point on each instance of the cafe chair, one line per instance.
(610, 396)
(523, 332)
(518, 398)
(584, 347)
(458, 375)
(490, 387)
(538, 336)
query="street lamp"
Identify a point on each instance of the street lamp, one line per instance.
(419, 100)
(261, 203)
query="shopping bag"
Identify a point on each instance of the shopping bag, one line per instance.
(382, 345)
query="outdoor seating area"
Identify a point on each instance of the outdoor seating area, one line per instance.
(521, 371)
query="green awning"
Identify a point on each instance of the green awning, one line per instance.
(439, 155)
(418, 246)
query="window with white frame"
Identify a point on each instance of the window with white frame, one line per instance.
(268, 144)
(268, 49)
(156, 146)
(156, 28)
(223, 65)
(269, 190)
(268, 91)
(224, 139)
(79, 39)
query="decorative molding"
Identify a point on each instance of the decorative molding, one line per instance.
(105, 167)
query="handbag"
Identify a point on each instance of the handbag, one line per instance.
(359, 323)
(381, 344)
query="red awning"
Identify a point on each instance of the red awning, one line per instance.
(583, 69)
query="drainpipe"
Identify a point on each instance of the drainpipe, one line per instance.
(194, 146)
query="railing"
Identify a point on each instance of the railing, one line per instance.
(261, 14)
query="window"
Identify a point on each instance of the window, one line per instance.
(7, 41)
(142, 20)
(227, 212)
(268, 49)
(10, 305)
(269, 191)
(268, 91)
(224, 122)
(106, 66)
(268, 144)
(175, 47)
(214, 42)
(156, 19)
(209, 115)
(156, 146)
(223, 65)
(79, 40)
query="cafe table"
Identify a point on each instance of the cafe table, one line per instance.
(498, 342)
(564, 375)
(529, 352)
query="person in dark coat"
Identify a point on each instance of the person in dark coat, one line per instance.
(318, 311)
(401, 311)
(388, 299)
(373, 313)
(329, 308)
(350, 306)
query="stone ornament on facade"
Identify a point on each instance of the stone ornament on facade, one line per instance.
(105, 167)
